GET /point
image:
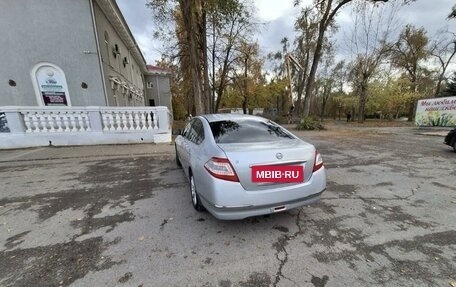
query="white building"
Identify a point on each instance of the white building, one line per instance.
(70, 55)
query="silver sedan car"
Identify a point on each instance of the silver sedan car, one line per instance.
(240, 166)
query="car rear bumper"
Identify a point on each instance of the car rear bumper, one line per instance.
(237, 213)
(230, 201)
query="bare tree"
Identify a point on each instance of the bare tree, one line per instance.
(307, 27)
(231, 24)
(198, 24)
(408, 54)
(329, 82)
(443, 49)
(278, 59)
(250, 66)
(280, 72)
(371, 44)
(189, 10)
(186, 17)
(327, 11)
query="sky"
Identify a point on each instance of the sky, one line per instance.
(279, 16)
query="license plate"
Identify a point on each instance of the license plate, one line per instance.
(277, 173)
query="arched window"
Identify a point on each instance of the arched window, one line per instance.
(107, 47)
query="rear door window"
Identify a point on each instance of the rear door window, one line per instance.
(196, 132)
(187, 129)
(247, 131)
(199, 128)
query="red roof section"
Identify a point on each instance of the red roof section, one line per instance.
(152, 68)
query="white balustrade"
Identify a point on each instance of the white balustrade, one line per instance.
(137, 122)
(38, 126)
(59, 121)
(130, 119)
(105, 119)
(28, 124)
(118, 120)
(51, 122)
(41, 120)
(155, 119)
(35, 123)
(112, 121)
(79, 123)
(55, 121)
(85, 118)
(72, 123)
(148, 121)
(142, 120)
(66, 122)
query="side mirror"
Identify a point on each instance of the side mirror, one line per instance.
(177, 132)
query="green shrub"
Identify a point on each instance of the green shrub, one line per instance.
(309, 123)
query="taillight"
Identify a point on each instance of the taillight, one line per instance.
(318, 161)
(221, 168)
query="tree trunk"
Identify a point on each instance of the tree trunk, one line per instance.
(439, 86)
(203, 34)
(444, 69)
(323, 107)
(323, 25)
(191, 28)
(245, 103)
(302, 82)
(411, 111)
(313, 71)
(223, 75)
(219, 96)
(362, 101)
(214, 108)
(326, 92)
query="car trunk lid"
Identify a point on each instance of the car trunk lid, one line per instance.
(245, 155)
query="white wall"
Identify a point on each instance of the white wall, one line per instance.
(54, 31)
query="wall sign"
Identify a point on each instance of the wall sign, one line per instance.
(52, 86)
(437, 112)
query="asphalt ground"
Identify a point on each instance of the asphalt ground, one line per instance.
(122, 216)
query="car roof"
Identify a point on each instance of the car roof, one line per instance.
(230, 117)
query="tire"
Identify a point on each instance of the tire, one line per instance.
(196, 202)
(178, 162)
(454, 145)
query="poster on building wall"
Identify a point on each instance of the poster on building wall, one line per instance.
(438, 112)
(52, 85)
(54, 99)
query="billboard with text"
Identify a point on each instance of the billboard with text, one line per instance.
(437, 112)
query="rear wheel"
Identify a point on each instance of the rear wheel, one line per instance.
(454, 145)
(195, 197)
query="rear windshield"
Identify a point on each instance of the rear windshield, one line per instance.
(246, 131)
